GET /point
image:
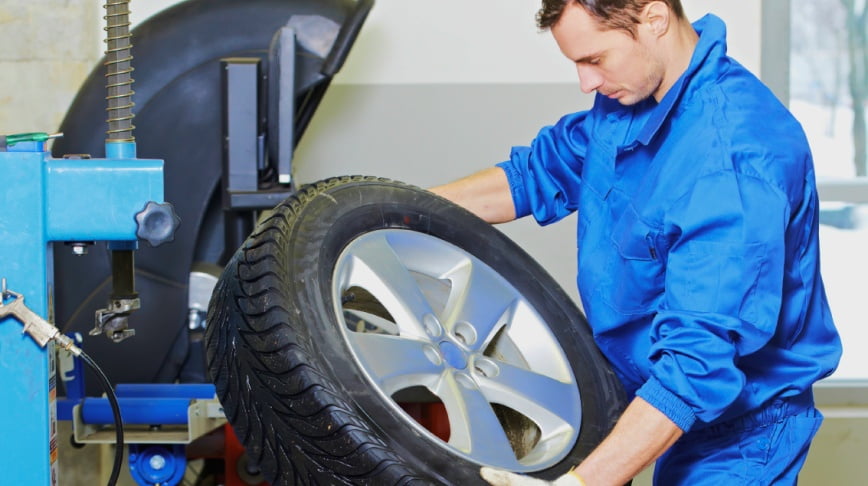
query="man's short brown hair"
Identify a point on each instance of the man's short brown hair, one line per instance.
(615, 14)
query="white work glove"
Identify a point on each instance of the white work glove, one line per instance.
(499, 477)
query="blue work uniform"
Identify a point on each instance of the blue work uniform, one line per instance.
(698, 245)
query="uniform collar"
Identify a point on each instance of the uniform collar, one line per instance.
(712, 41)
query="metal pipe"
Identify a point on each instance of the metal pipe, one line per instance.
(123, 274)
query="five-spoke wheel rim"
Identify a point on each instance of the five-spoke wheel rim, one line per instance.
(427, 321)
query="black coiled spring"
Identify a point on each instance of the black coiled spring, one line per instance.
(118, 62)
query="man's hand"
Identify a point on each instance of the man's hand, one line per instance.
(498, 477)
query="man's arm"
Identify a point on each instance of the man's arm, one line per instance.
(485, 193)
(641, 435)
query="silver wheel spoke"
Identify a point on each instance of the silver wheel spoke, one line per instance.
(379, 270)
(479, 298)
(395, 362)
(543, 400)
(474, 428)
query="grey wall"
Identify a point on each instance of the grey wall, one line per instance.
(426, 134)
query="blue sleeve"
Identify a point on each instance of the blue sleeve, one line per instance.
(723, 287)
(544, 178)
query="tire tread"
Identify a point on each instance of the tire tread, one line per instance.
(255, 343)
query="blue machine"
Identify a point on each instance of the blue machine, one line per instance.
(76, 200)
(55, 200)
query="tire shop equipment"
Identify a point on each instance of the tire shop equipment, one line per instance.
(200, 67)
(370, 332)
(117, 200)
(180, 113)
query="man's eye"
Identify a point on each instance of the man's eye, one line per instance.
(594, 61)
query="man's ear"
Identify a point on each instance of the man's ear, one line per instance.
(655, 18)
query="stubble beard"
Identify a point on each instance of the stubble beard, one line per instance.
(649, 86)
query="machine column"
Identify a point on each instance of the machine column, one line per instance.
(27, 402)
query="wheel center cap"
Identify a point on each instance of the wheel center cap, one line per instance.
(453, 355)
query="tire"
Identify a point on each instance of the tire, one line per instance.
(359, 299)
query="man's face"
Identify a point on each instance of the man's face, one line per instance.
(608, 61)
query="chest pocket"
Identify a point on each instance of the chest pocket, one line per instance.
(635, 265)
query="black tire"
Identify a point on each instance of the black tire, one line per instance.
(294, 389)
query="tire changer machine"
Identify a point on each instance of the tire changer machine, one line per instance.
(71, 202)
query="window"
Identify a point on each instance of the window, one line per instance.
(824, 79)
(829, 82)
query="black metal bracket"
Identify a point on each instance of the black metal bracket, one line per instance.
(243, 143)
(263, 118)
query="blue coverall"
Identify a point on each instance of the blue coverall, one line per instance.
(698, 261)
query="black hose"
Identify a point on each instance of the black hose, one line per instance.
(116, 411)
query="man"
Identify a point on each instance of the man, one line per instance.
(698, 251)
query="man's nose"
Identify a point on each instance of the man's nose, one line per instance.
(589, 78)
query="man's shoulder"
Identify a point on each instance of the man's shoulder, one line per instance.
(745, 128)
(746, 113)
